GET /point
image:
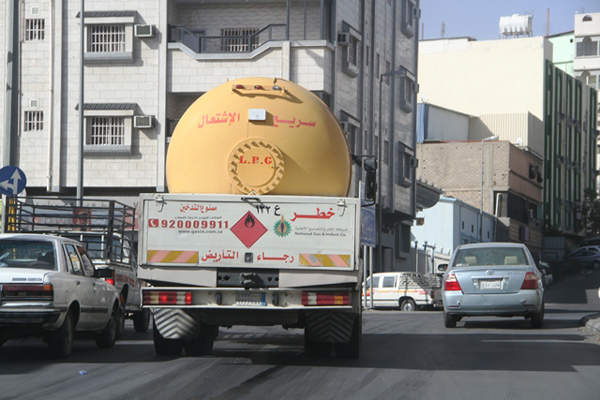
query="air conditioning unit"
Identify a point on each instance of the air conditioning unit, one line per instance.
(345, 126)
(142, 121)
(344, 39)
(143, 31)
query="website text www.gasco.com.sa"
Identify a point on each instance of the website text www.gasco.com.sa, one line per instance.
(320, 231)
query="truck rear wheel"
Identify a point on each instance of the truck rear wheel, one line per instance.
(316, 349)
(351, 350)
(203, 344)
(141, 320)
(166, 347)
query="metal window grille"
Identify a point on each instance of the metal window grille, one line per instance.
(34, 121)
(34, 29)
(238, 39)
(106, 38)
(106, 131)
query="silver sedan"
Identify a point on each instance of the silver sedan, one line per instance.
(497, 279)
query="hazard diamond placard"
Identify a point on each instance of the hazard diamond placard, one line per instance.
(248, 229)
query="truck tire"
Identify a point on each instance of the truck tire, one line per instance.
(166, 347)
(106, 339)
(61, 341)
(351, 350)
(314, 349)
(407, 305)
(141, 320)
(449, 320)
(203, 344)
(120, 322)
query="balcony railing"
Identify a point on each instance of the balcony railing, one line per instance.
(197, 42)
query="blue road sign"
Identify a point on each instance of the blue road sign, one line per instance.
(12, 180)
(368, 233)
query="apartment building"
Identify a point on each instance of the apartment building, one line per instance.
(146, 61)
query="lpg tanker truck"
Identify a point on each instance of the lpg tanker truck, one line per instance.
(257, 227)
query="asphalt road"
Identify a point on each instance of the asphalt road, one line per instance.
(405, 356)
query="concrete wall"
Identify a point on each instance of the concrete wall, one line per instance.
(500, 76)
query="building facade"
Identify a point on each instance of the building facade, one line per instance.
(530, 103)
(145, 62)
(496, 178)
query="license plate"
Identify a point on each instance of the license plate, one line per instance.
(250, 299)
(490, 284)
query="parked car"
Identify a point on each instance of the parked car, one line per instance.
(595, 241)
(495, 279)
(405, 290)
(584, 257)
(546, 270)
(49, 287)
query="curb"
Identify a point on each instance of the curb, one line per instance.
(591, 323)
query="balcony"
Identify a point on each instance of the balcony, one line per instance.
(243, 41)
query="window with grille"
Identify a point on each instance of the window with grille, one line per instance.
(106, 131)
(236, 40)
(106, 38)
(34, 121)
(34, 29)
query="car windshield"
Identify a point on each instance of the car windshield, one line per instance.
(490, 256)
(26, 254)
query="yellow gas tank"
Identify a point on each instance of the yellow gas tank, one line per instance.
(259, 135)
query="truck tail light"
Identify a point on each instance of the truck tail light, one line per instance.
(27, 292)
(161, 297)
(451, 283)
(325, 299)
(530, 281)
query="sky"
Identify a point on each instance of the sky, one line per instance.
(480, 18)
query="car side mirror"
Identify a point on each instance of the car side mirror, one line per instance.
(442, 267)
(104, 273)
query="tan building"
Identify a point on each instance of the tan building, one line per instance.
(497, 177)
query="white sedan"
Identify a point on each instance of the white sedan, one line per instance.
(50, 288)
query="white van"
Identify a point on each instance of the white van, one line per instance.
(405, 290)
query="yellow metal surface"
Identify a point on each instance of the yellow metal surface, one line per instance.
(259, 135)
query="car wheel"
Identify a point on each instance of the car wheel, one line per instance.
(314, 349)
(141, 320)
(166, 347)
(203, 344)
(107, 338)
(61, 341)
(407, 305)
(537, 319)
(449, 320)
(351, 350)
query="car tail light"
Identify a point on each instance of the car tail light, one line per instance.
(27, 292)
(111, 281)
(325, 299)
(530, 281)
(156, 297)
(451, 283)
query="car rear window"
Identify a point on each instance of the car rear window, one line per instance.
(490, 256)
(27, 254)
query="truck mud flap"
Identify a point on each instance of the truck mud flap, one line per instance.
(176, 323)
(331, 327)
